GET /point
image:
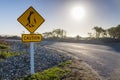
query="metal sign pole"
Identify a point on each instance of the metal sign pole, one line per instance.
(32, 58)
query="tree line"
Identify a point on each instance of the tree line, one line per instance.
(10, 37)
(113, 32)
(56, 33)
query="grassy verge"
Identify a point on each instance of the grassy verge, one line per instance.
(4, 54)
(69, 70)
(55, 73)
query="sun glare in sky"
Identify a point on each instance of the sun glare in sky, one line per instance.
(78, 12)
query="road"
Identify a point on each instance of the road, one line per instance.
(102, 58)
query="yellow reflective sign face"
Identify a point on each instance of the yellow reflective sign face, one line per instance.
(31, 37)
(31, 19)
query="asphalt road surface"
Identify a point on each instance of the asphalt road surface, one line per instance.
(102, 58)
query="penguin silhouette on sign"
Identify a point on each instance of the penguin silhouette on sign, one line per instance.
(31, 19)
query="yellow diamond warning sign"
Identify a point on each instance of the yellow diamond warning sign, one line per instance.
(31, 37)
(31, 19)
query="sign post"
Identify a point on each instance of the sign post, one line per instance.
(31, 20)
(32, 71)
(32, 58)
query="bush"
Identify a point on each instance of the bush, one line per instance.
(62, 64)
(2, 46)
(5, 54)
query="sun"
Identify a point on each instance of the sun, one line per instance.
(78, 12)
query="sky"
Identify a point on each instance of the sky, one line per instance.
(58, 14)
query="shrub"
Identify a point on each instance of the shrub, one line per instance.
(5, 54)
(2, 46)
(62, 64)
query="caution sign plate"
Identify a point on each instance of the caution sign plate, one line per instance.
(31, 19)
(31, 37)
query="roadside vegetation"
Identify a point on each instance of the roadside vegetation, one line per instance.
(4, 51)
(5, 55)
(55, 73)
(69, 70)
(3, 46)
(56, 34)
(99, 32)
(111, 34)
(10, 37)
